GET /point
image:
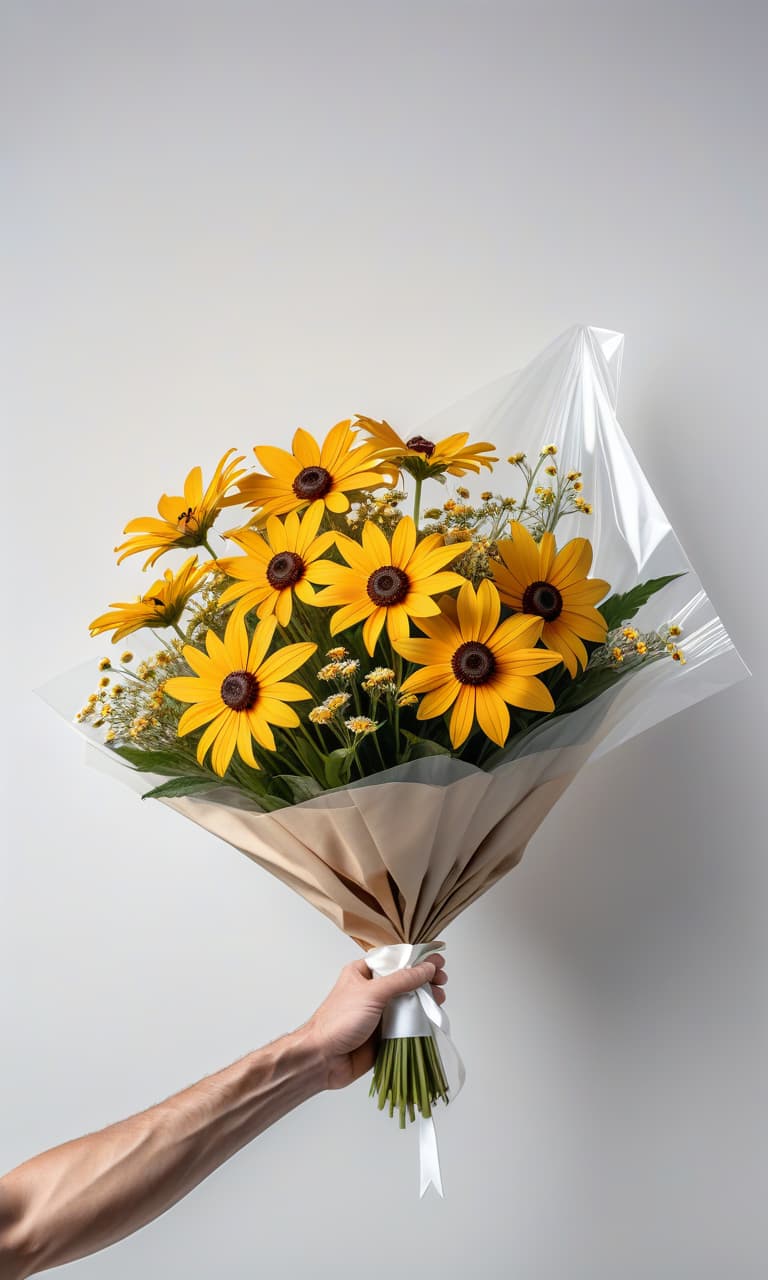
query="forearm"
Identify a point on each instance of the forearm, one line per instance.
(85, 1195)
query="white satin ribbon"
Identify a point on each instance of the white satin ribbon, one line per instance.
(417, 1013)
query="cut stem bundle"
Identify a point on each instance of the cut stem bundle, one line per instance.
(408, 1077)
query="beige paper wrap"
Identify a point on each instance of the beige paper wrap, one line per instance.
(397, 860)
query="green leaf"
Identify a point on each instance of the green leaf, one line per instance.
(338, 765)
(167, 762)
(297, 786)
(420, 747)
(587, 687)
(179, 787)
(620, 608)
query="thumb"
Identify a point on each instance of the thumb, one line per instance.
(404, 980)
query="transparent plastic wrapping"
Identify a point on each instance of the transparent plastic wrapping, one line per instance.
(395, 856)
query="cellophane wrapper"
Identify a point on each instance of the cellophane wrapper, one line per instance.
(396, 856)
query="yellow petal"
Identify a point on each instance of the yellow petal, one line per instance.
(424, 651)
(236, 642)
(245, 743)
(278, 713)
(547, 551)
(439, 700)
(211, 733)
(310, 523)
(560, 638)
(260, 642)
(469, 612)
(520, 632)
(350, 614)
(375, 544)
(305, 448)
(276, 534)
(260, 730)
(372, 628)
(572, 563)
(525, 692)
(489, 608)
(403, 542)
(224, 746)
(284, 691)
(463, 715)
(335, 501)
(196, 716)
(284, 661)
(431, 677)
(492, 715)
(191, 689)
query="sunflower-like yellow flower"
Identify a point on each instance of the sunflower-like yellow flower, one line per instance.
(422, 457)
(311, 473)
(386, 582)
(278, 566)
(162, 606)
(537, 579)
(184, 521)
(238, 692)
(477, 665)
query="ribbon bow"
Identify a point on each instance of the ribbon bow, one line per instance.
(416, 1013)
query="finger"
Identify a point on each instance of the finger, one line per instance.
(437, 960)
(439, 996)
(441, 977)
(396, 984)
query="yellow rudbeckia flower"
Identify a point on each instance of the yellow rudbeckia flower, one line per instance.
(238, 692)
(184, 521)
(476, 665)
(537, 579)
(422, 457)
(311, 472)
(162, 606)
(386, 582)
(276, 567)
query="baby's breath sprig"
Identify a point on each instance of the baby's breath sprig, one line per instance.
(137, 711)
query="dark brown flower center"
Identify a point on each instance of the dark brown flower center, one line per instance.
(544, 599)
(312, 482)
(239, 690)
(285, 569)
(473, 663)
(388, 585)
(421, 445)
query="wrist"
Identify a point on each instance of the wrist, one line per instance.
(305, 1059)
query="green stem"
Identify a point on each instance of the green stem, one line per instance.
(417, 503)
(209, 548)
(179, 631)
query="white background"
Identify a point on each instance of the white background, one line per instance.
(225, 220)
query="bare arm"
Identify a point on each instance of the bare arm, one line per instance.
(86, 1194)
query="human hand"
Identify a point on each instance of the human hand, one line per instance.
(344, 1028)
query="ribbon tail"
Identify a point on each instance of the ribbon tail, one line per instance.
(429, 1160)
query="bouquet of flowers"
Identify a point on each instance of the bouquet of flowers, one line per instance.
(381, 684)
